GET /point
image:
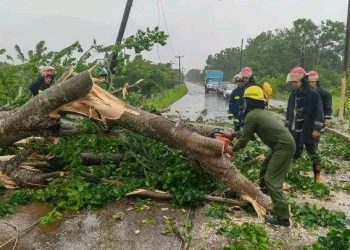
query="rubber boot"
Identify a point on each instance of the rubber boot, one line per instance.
(274, 220)
(317, 173)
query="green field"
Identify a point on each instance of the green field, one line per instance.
(168, 97)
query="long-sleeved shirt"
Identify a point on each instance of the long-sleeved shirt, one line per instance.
(304, 110)
(269, 130)
(38, 84)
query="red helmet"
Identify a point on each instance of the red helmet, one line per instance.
(246, 72)
(296, 74)
(313, 76)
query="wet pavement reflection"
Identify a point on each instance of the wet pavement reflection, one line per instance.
(210, 106)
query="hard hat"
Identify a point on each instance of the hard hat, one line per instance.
(246, 72)
(267, 88)
(254, 92)
(296, 74)
(313, 76)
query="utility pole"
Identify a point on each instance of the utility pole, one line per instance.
(241, 56)
(179, 57)
(113, 62)
(302, 57)
(345, 69)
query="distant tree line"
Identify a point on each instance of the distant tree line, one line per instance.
(272, 54)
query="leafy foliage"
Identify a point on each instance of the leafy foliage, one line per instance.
(18, 197)
(215, 211)
(272, 54)
(146, 163)
(245, 236)
(305, 183)
(335, 239)
(15, 78)
(157, 77)
(311, 216)
(194, 75)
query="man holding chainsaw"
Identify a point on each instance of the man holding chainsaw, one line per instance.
(282, 148)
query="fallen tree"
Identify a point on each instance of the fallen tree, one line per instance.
(33, 115)
(108, 111)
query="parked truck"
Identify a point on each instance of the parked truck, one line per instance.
(212, 79)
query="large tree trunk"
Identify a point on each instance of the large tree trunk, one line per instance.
(179, 136)
(33, 118)
(171, 133)
(33, 115)
(109, 111)
(103, 107)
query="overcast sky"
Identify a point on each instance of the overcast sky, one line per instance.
(197, 28)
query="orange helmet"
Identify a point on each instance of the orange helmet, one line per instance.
(313, 76)
(246, 72)
(296, 74)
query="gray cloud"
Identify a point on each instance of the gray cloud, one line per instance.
(197, 27)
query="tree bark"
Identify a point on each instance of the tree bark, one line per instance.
(177, 135)
(207, 130)
(171, 133)
(112, 112)
(166, 195)
(224, 169)
(209, 152)
(33, 115)
(89, 159)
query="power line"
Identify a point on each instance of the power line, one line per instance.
(166, 28)
(158, 24)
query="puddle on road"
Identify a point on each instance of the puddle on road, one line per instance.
(210, 106)
(192, 105)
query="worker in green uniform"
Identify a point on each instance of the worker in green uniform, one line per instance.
(276, 164)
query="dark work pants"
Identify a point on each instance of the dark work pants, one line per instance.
(272, 175)
(311, 145)
(311, 149)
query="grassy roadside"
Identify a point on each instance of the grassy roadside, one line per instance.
(168, 97)
(335, 106)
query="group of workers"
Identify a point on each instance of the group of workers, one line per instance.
(309, 110)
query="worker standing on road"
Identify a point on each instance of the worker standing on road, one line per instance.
(244, 80)
(236, 103)
(305, 118)
(276, 164)
(326, 97)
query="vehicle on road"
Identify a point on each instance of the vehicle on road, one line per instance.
(228, 90)
(212, 80)
(221, 88)
(211, 86)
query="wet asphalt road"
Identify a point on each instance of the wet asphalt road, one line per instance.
(210, 106)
